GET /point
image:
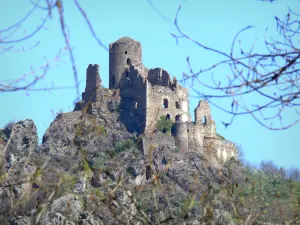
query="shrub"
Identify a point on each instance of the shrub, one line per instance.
(99, 162)
(165, 125)
(59, 113)
(100, 130)
(8, 125)
(131, 171)
(86, 167)
(7, 128)
(124, 145)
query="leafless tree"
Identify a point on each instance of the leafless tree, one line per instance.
(272, 74)
(8, 43)
(269, 168)
(293, 174)
(282, 172)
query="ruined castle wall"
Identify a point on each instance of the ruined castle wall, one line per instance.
(207, 130)
(122, 53)
(190, 133)
(164, 99)
(93, 84)
(133, 92)
(203, 111)
(223, 149)
(181, 136)
(195, 136)
(159, 77)
(204, 119)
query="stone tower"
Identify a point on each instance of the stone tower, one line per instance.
(203, 118)
(93, 84)
(122, 53)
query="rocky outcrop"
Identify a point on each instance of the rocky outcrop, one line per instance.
(73, 176)
(89, 170)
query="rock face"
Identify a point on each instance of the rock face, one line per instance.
(92, 168)
(73, 176)
(89, 170)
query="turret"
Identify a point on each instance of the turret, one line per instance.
(124, 52)
(181, 136)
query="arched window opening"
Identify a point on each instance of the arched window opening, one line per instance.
(188, 130)
(126, 52)
(177, 105)
(168, 117)
(128, 61)
(166, 103)
(177, 118)
(204, 120)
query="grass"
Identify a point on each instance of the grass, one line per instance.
(277, 199)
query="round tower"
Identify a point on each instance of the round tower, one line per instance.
(123, 52)
(181, 136)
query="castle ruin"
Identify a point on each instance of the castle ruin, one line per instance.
(143, 95)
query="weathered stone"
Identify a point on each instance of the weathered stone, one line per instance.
(142, 96)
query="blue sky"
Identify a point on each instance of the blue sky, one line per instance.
(214, 23)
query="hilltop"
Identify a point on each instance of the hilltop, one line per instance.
(130, 154)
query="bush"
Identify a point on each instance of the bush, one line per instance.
(131, 171)
(59, 113)
(124, 145)
(99, 162)
(165, 125)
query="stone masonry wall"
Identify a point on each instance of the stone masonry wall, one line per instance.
(203, 118)
(93, 84)
(223, 149)
(166, 100)
(142, 96)
(133, 89)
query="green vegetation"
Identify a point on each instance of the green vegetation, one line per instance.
(124, 145)
(99, 162)
(37, 174)
(273, 196)
(165, 125)
(131, 171)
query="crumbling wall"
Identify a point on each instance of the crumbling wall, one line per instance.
(124, 52)
(159, 77)
(142, 96)
(133, 89)
(93, 84)
(181, 136)
(223, 149)
(195, 136)
(165, 99)
(204, 119)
